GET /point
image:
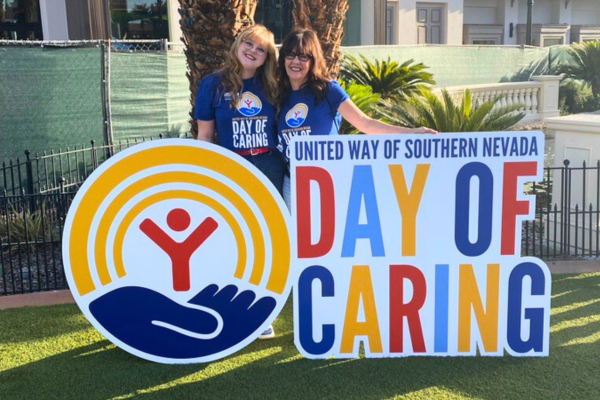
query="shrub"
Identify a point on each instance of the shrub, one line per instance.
(23, 229)
(387, 78)
(576, 97)
(446, 116)
(584, 65)
(364, 98)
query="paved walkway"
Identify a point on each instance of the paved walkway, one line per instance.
(64, 296)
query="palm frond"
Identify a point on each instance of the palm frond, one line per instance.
(387, 77)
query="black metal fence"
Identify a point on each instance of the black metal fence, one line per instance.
(567, 222)
(31, 228)
(49, 171)
(38, 191)
(35, 194)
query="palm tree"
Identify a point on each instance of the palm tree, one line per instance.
(209, 28)
(388, 78)
(326, 17)
(141, 9)
(445, 116)
(585, 65)
(365, 100)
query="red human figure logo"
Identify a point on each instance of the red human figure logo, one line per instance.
(179, 252)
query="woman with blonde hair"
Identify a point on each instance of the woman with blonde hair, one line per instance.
(238, 103)
(313, 104)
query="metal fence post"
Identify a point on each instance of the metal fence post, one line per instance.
(566, 207)
(106, 105)
(29, 171)
(94, 155)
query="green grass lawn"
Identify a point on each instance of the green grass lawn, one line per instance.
(54, 353)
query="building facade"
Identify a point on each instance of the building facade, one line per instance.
(368, 22)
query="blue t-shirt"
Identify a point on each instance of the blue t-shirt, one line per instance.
(248, 126)
(300, 115)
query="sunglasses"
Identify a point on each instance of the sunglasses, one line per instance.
(302, 57)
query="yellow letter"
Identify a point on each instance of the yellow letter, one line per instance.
(409, 201)
(361, 286)
(469, 297)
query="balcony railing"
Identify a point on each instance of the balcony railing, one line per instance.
(539, 96)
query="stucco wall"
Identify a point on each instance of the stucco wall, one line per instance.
(585, 12)
(480, 12)
(542, 12)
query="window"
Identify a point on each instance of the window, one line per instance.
(139, 19)
(485, 41)
(552, 41)
(20, 20)
(482, 34)
(276, 15)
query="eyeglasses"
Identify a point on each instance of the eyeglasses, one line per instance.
(302, 57)
(250, 44)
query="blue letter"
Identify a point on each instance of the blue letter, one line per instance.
(462, 207)
(362, 187)
(534, 315)
(305, 309)
(441, 308)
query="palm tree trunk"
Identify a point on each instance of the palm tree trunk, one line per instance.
(209, 28)
(596, 89)
(326, 17)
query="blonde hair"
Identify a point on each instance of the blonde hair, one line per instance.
(232, 70)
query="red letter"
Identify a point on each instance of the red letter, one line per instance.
(304, 175)
(410, 310)
(511, 207)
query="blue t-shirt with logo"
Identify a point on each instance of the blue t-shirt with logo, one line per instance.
(250, 125)
(300, 115)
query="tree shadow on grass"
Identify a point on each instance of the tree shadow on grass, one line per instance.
(273, 369)
(568, 373)
(95, 371)
(15, 322)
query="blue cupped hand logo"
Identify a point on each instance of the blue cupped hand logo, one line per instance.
(151, 322)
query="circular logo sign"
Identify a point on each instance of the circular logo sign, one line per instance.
(297, 115)
(249, 104)
(178, 251)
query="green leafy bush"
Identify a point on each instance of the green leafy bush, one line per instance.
(364, 98)
(24, 229)
(446, 116)
(584, 65)
(576, 97)
(387, 78)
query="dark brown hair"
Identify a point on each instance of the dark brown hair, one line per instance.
(303, 41)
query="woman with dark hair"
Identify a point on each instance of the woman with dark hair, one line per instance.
(238, 102)
(313, 104)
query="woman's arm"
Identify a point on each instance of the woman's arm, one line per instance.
(206, 130)
(368, 125)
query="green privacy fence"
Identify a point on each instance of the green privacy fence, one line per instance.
(49, 97)
(463, 65)
(55, 95)
(149, 95)
(60, 94)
